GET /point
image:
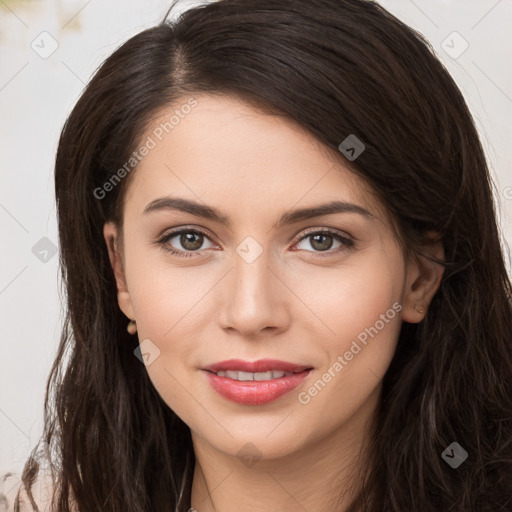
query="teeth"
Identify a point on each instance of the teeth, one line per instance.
(264, 375)
(244, 376)
(240, 375)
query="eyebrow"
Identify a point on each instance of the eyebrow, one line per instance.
(290, 217)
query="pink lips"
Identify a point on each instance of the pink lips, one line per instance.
(255, 392)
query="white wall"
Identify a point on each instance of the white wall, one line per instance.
(36, 94)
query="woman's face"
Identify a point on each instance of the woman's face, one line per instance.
(326, 292)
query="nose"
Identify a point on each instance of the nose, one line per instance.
(255, 299)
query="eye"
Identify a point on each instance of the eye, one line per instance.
(322, 241)
(190, 239)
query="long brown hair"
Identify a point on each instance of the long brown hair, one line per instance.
(336, 67)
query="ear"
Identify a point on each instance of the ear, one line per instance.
(423, 277)
(110, 232)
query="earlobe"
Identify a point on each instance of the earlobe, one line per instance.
(423, 278)
(110, 233)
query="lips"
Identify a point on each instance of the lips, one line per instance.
(256, 382)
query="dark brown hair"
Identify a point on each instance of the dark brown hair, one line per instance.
(336, 67)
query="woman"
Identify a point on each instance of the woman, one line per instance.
(286, 289)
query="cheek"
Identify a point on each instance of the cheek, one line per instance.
(349, 298)
(166, 296)
(171, 305)
(365, 315)
(358, 323)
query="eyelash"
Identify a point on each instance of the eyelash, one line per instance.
(348, 244)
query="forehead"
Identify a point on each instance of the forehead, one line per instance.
(229, 153)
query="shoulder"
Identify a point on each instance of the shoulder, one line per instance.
(10, 485)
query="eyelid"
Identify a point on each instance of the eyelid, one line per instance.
(348, 242)
(166, 236)
(171, 232)
(325, 229)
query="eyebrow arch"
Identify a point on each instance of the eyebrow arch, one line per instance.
(290, 217)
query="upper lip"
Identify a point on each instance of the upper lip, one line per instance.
(262, 365)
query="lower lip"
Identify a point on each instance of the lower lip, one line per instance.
(255, 392)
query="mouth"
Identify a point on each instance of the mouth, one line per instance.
(248, 376)
(262, 366)
(257, 382)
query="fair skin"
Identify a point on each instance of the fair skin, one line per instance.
(295, 302)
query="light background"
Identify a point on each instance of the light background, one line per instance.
(37, 94)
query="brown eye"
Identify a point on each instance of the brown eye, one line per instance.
(191, 241)
(187, 240)
(323, 241)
